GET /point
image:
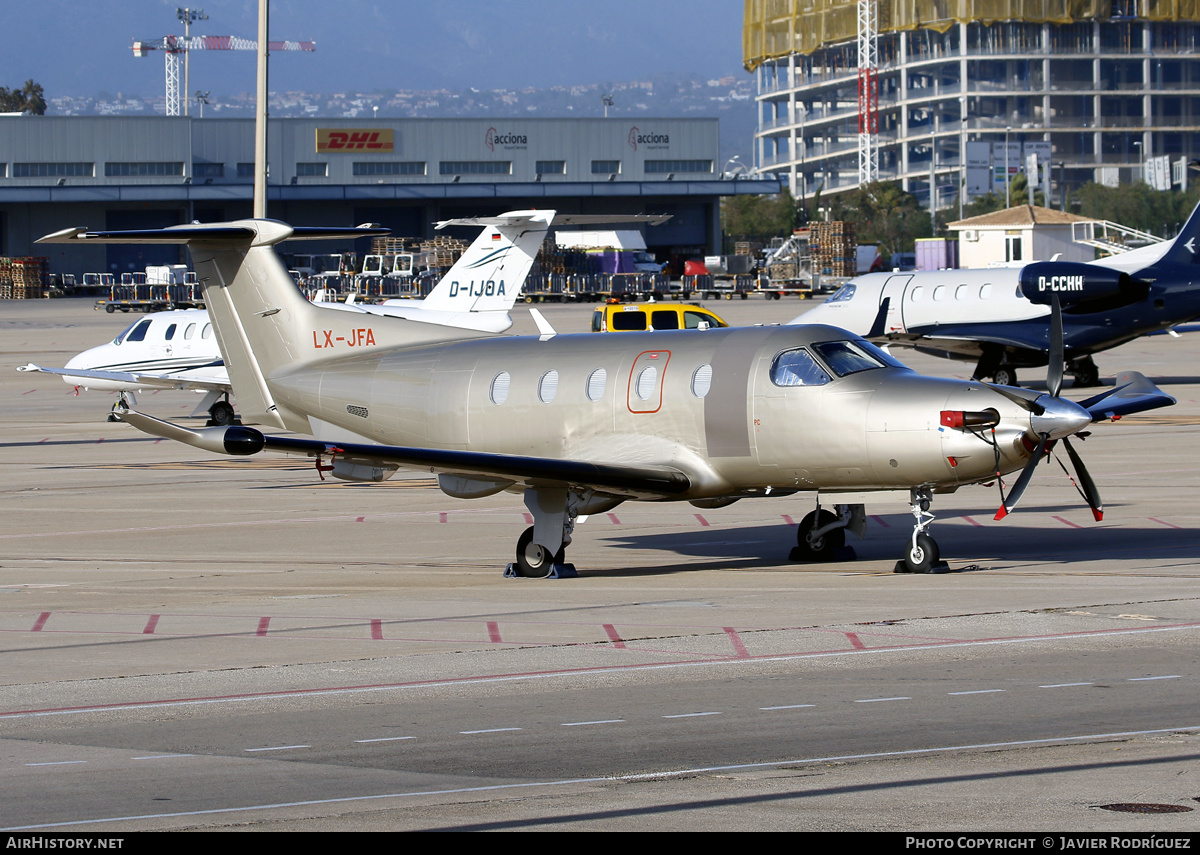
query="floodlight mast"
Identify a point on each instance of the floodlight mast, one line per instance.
(868, 92)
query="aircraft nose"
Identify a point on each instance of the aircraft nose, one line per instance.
(1059, 417)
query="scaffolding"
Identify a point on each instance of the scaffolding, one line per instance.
(777, 28)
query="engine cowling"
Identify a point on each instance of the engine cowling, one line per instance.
(1081, 287)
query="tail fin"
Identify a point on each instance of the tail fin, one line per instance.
(1185, 247)
(489, 275)
(263, 323)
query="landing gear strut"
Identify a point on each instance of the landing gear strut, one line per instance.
(541, 547)
(822, 534)
(922, 555)
(124, 401)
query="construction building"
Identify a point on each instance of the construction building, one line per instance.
(967, 90)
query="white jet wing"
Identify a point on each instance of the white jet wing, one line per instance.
(215, 382)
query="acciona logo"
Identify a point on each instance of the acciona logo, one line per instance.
(495, 138)
(649, 140)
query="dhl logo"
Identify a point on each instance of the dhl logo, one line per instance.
(355, 140)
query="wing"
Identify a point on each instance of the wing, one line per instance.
(642, 481)
(137, 380)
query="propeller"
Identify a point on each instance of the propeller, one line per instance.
(1052, 417)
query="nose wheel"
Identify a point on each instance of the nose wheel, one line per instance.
(922, 554)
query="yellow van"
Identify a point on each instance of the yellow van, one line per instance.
(629, 317)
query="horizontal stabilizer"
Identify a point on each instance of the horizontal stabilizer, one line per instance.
(1132, 394)
(132, 378)
(258, 232)
(559, 219)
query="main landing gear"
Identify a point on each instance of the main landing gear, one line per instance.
(822, 536)
(1084, 372)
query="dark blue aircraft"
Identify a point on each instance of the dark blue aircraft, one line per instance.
(999, 317)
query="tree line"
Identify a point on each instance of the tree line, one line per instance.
(885, 214)
(28, 99)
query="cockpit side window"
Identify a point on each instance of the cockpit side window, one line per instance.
(137, 332)
(846, 292)
(797, 368)
(849, 357)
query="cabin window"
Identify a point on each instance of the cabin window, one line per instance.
(189, 332)
(916, 294)
(499, 391)
(985, 290)
(702, 380)
(939, 293)
(644, 387)
(595, 384)
(170, 332)
(960, 293)
(207, 331)
(797, 368)
(548, 386)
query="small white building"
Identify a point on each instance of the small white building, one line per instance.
(1019, 235)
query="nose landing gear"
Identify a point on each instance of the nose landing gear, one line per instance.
(922, 555)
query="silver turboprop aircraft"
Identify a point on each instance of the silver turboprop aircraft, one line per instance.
(176, 350)
(580, 423)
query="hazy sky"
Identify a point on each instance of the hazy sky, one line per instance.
(75, 48)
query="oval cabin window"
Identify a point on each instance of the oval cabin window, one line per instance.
(499, 392)
(595, 384)
(645, 382)
(548, 386)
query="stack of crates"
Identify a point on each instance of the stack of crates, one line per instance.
(392, 245)
(747, 247)
(29, 278)
(6, 289)
(835, 248)
(443, 251)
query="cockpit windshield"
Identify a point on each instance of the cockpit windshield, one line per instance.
(849, 357)
(136, 332)
(846, 292)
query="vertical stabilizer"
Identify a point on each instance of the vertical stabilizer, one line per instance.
(489, 275)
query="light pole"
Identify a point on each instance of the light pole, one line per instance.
(187, 15)
(962, 152)
(1007, 177)
(607, 101)
(1141, 173)
(201, 99)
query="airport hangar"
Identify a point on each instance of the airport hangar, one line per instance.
(150, 172)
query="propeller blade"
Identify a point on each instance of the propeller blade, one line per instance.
(1008, 504)
(1023, 398)
(1090, 494)
(1054, 374)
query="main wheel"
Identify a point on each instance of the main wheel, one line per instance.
(533, 559)
(221, 413)
(1086, 373)
(922, 555)
(818, 548)
(1005, 376)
